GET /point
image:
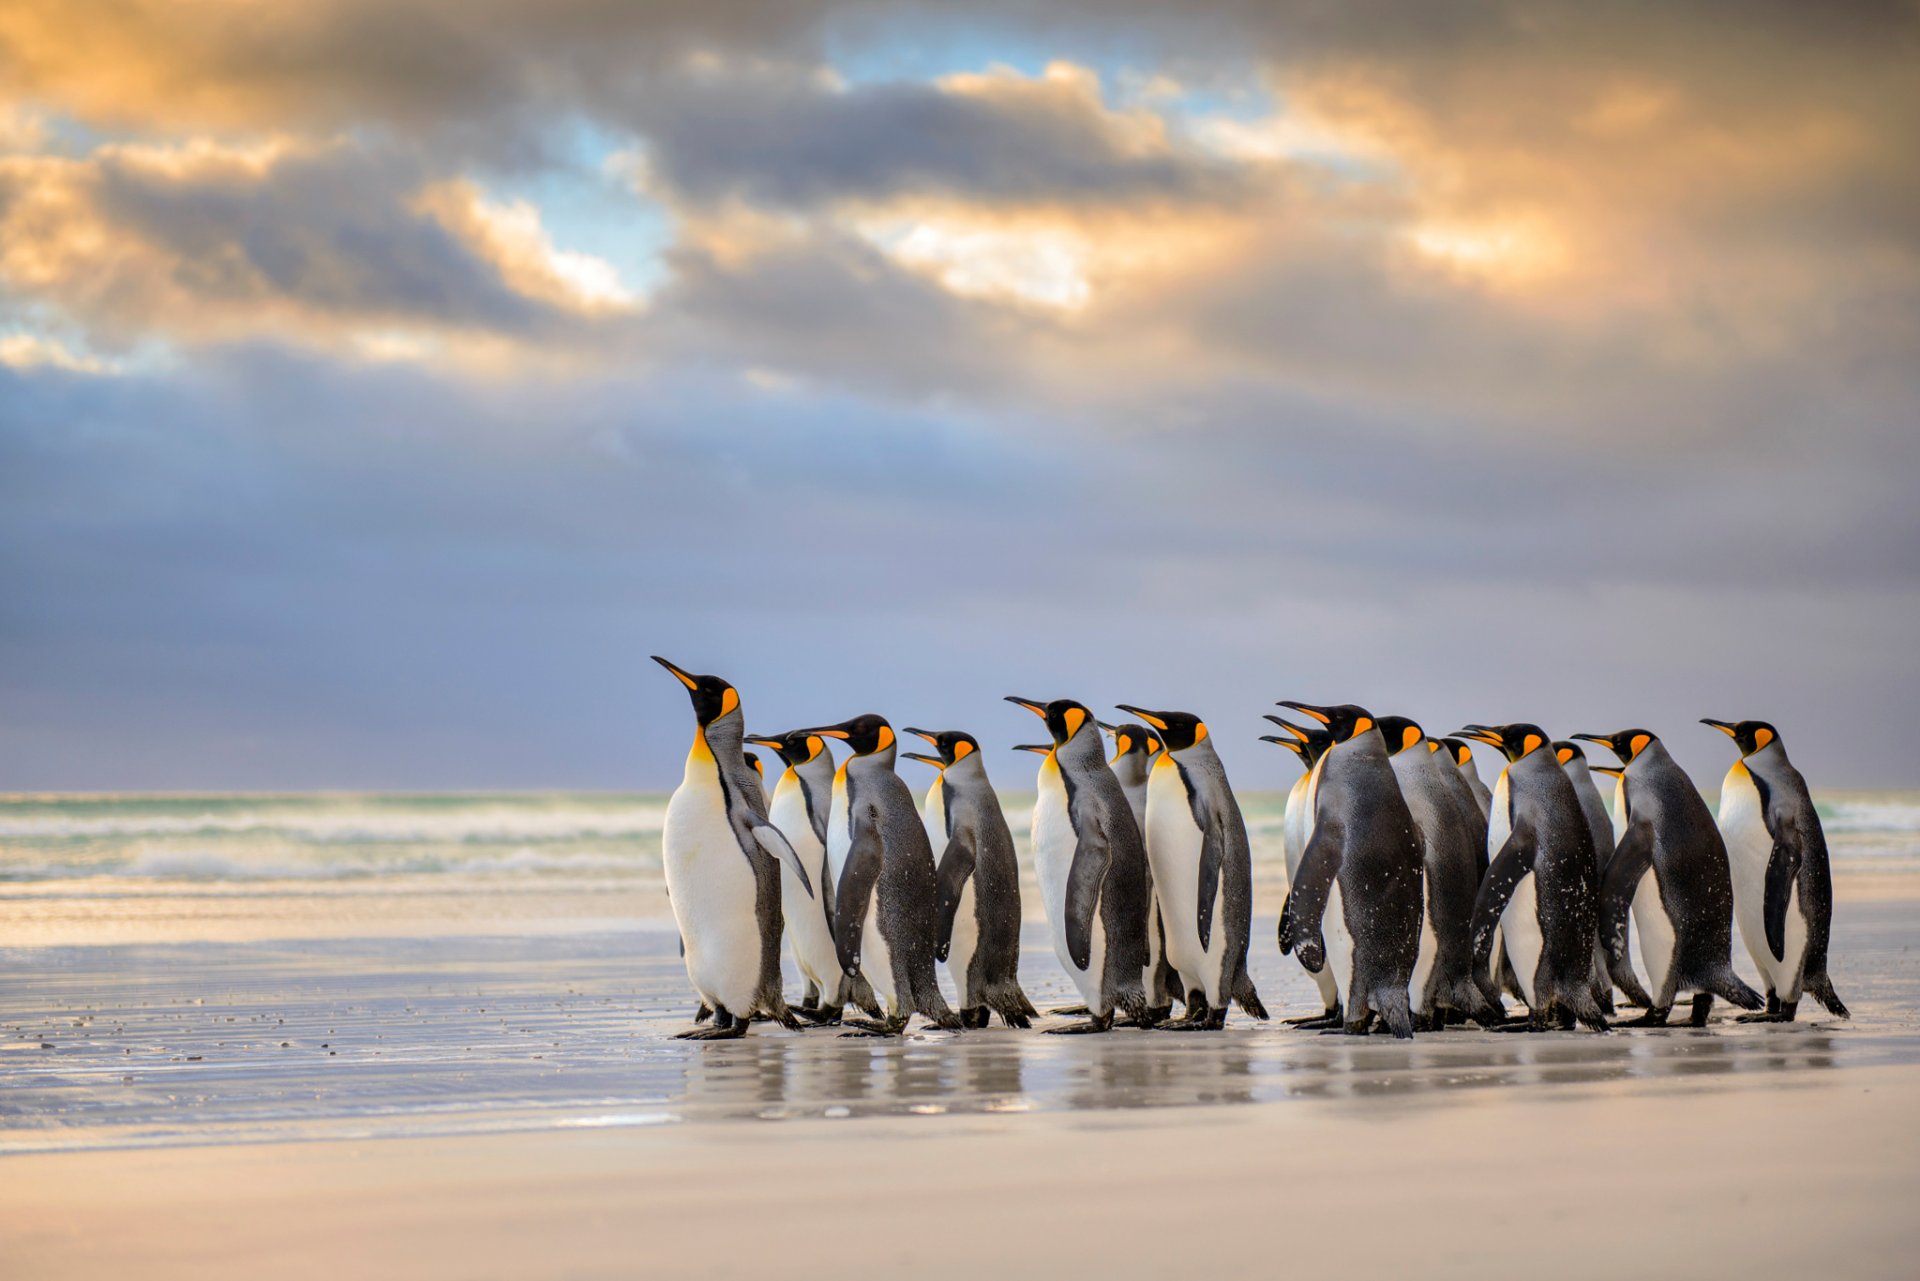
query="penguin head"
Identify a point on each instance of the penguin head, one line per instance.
(1307, 743)
(864, 734)
(1401, 734)
(1064, 717)
(794, 748)
(1131, 738)
(1178, 730)
(1514, 741)
(1344, 721)
(1748, 736)
(1461, 751)
(1566, 752)
(1627, 744)
(753, 763)
(712, 697)
(953, 745)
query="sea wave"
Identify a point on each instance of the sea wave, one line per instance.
(210, 865)
(477, 824)
(1870, 816)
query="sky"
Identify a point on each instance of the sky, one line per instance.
(382, 381)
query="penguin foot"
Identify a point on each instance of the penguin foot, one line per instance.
(1702, 1006)
(1652, 1018)
(820, 1015)
(1763, 1018)
(1318, 1022)
(1083, 1029)
(1070, 1011)
(717, 1032)
(1520, 1025)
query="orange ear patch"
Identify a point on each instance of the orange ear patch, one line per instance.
(883, 740)
(1565, 754)
(960, 749)
(1761, 737)
(1409, 736)
(1122, 744)
(1638, 745)
(1530, 742)
(1361, 726)
(1200, 732)
(730, 701)
(1074, 718)
(815, 746)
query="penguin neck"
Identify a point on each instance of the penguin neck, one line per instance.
(870, 764)
(1769, 762)
(966, 772)
(1195, 753)
(1651, 758)
(1082, 751)
(1130, 769)
(719, 740)
(817, 773)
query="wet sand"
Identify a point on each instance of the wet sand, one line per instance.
(498, 1094)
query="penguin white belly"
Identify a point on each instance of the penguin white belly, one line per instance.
(1053, 846)
(712, 889)
(808, 937)
(1656, 933)
(1424, 958)
(1520, 928)
(1173, 848)
(839, 832)
(1332, 978)
(1743, 826)
(966, 941)
(1338, 971)
(1499, 827)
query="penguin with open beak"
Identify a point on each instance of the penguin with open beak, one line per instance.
(1310, 744)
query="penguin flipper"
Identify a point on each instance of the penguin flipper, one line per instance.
(1306, 903)
(1213, 850)
(956, 865)
(857, 879)
(780, 849)
(1629, 863)
(1783, 870)
(1509, 867)
(1086, 876)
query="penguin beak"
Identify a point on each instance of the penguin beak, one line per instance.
(1111, 729)
(1292, 745)
(934, 761)
(1601, 739)
(1154, 719)
(1308, 708)
(1037, 708)
(1723, 726)
(1288, 726)
(1612, 771)
(1480, 734)
(1045, 749)
(771, 744)
(687, 679)
(829, 731)
(929, 735)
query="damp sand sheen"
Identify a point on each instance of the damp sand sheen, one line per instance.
(428, 1036)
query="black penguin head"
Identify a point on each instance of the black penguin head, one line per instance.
(1514, 741)
(1626, 744)
(712, 697)
(1131, 738)
(1401, 734)
(952, 744)
(1063, 716)
(1312, 741)
(1748, 736)
(753, 763)
(864, 734)
(794, 748)
(1344, 721)
(1178, 730)
(1566, 751)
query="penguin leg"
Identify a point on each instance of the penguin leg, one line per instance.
(821, 1015)
(1098, 1023)
(725, 1028)
(1194, 1019)
(1770, 1015)
(810, 1000)
(1702, 1006)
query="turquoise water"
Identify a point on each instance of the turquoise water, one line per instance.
(328, 836)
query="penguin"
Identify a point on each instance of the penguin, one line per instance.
(886, 900)
(979, 882)
(1092, 865)
(1646, 926)
(1782, 884)
(1462, 753)
(1364, 842)
(802, 796)
(1135, 748)
(1202, 866)
(1541, 888)
(1671, 832)
(1608, 974)
(1296, 830)
(723, 863)
(1453, 840)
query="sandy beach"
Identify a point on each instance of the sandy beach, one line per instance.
(472, 1074)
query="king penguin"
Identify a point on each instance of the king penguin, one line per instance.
(1609, 973)
(1782, 884)
(1092, 865)
(1202, 867)
(885, 903)
(1541, 889)
(1671, 832)
(979, 882)
(1135, 748)
(1453, 840)
(1296, 829)
(722, 860)
(1462, 753)
(1363, 841)
(801, 800)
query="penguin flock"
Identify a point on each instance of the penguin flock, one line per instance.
(1417, 897)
